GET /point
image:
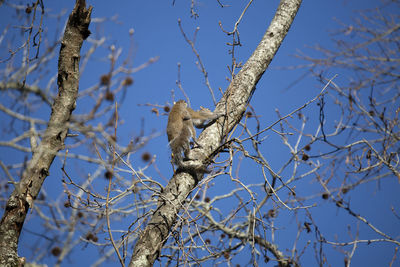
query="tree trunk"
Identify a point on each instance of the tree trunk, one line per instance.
(233, 103)
(37, 169)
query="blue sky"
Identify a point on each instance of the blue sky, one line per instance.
(156, 34)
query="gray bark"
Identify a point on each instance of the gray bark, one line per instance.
(37, 169)
(233, 103)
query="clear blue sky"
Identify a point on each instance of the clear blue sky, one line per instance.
(156, 34)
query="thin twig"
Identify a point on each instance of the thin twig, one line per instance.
(109, 189)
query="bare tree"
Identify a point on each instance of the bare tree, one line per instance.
(362, 146)
(234, 104)
(43, 154)
(119, 210)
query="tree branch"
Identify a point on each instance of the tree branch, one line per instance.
(233, 103)
(38, 167)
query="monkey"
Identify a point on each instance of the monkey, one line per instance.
(180, 128)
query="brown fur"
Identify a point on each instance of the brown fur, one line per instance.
(180, 128)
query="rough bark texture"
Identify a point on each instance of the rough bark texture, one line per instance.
(233, 103)
(37, 169)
